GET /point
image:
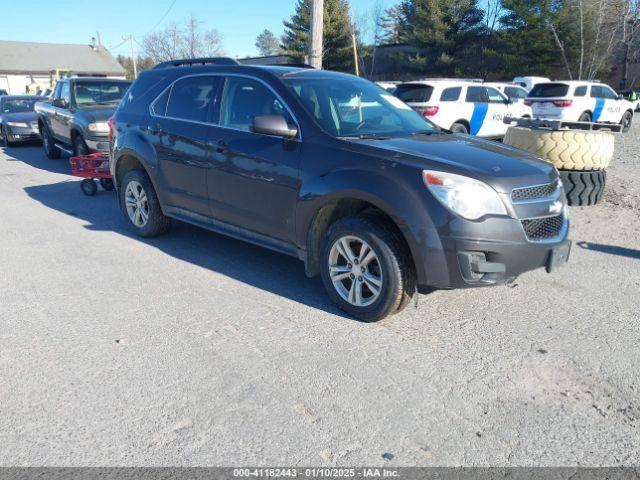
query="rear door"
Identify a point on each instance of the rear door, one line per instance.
(477, 96)
(180, 126)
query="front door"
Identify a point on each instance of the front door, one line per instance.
(179, 128)
(254, 180)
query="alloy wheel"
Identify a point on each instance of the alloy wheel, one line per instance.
(137, 204)
(355, 271)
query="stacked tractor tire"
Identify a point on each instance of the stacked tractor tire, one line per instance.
(581, 157)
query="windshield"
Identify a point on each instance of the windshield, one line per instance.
(18, 105)
(353, 107)
(99, 93)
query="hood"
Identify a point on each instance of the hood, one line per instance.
(25, 117)
(498, 165)
(101, 114)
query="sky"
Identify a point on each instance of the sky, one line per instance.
(74, 21)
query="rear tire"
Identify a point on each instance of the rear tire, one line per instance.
(51, 151)
(390, 273)
(141, 206)
(459, 128)
(583, 188)
(585, 117)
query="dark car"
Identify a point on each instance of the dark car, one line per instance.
(75, 118)
(3, 92)
(18, 120)
(335, 171)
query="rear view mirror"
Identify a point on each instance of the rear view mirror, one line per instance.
(273, 125)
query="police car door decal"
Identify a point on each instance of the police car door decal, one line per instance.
(477, 119)
(597, 112)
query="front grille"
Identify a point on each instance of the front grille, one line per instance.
(533, 193)
(539, 229)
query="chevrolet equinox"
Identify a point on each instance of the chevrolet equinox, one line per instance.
(331, 169)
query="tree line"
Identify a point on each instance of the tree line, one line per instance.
(489, 39)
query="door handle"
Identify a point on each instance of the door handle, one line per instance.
(220, 146)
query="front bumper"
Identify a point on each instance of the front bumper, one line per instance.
(22, 134)
(97, 143)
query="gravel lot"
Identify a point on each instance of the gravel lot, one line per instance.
(194, 349)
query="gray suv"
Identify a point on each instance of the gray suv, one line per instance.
(335, 171)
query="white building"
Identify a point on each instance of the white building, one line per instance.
(26, 63)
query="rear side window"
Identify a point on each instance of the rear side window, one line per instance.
(192, 98)
(159, 107)
(549, 90)
(450, 94)
(476, 95)
(414, 93)
(581, 91)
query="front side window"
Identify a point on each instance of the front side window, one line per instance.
(609, 94)
(346, 106)
(515, 92)
(243, 99)
(494, 96)
(191, 99)
(91, 94)
(65, 92)
(17, 105)
(450, 94)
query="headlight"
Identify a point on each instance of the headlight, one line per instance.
(464, 196)
(18, 124)
(98, 127)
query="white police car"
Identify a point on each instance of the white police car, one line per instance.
(580, 101)
(462, 106)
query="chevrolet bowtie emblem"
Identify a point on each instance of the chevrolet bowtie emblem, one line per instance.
(555, 207)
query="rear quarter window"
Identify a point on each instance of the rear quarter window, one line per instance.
(414, 93)
(451, 94)
(549, 90)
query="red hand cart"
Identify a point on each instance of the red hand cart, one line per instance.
(92, 167)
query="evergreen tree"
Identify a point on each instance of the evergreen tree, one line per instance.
(443, 29)
(267, 43)
(337, 43)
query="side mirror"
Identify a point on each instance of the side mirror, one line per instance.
(620, 96)
(275, 125)
(60, 103)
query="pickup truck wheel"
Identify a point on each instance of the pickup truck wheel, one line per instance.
(365, 268)
(140, 205)
(51, 151)
(80, 148)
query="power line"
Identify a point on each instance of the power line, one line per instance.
(162, 18)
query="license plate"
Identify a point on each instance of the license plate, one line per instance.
(558, 257)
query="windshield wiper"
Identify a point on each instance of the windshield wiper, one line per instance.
(426, 132)
(366, 136)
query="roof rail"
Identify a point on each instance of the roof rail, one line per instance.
(198, 61)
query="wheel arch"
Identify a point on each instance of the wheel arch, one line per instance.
(464, 122)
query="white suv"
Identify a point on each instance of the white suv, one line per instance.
(580, 101)
(462, 106)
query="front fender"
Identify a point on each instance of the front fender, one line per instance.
(388, 191)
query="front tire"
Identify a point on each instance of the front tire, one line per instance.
(627, 118)
(80, 148)
(51, 151)
(366, 269)
(4, 139)
(141, 206)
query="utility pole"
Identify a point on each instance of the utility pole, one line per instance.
(133, 55)
(315, 41)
